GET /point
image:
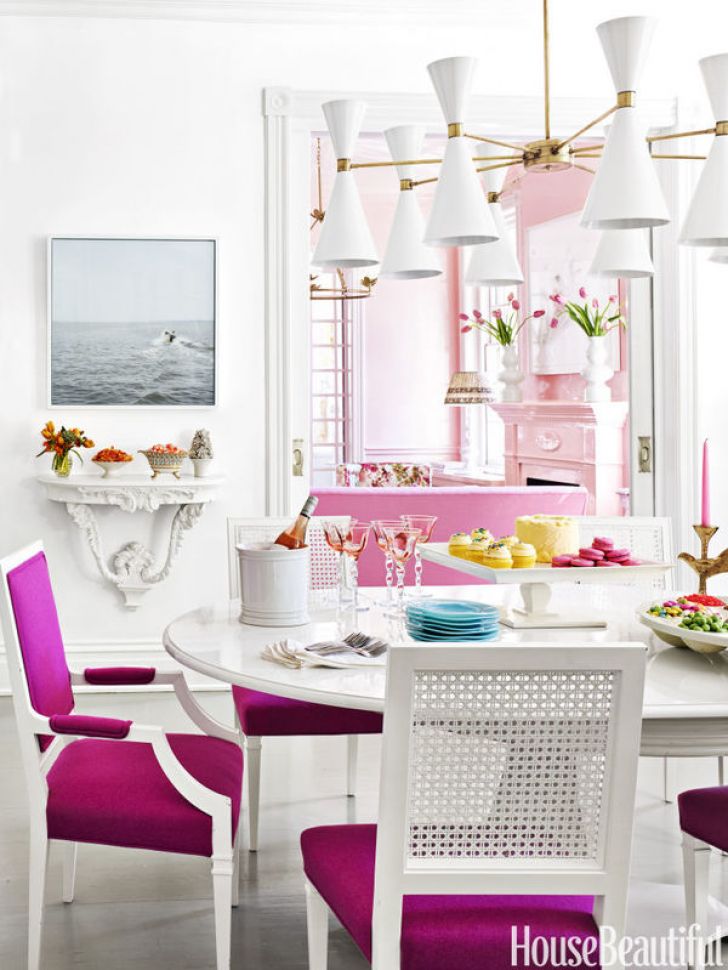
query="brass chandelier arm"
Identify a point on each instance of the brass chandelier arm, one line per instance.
(408, 161)
(587, 155)
(498, 158)
(700, 158)
(424, 181)
(680, 134)
(584, 168)
(605, 114)
(494, 141)
(490, 168)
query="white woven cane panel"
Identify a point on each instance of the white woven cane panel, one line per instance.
(648, 538)
(508, 764)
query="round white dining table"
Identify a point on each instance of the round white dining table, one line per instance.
(685, 710)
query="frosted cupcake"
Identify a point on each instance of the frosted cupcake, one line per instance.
(509, 541)
(479, 547)
(459, 544)
(498, 556)
(524, 555)
(482, 534)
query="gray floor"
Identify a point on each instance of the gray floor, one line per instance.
(152, 911)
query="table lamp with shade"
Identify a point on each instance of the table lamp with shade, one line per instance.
(469, 387)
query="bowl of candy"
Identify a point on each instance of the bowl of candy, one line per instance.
(111, 460)
(165, 458)
(696, 620)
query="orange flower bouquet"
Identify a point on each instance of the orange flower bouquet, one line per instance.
(63, 445)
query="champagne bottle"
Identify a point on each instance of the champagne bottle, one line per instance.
(295, 536)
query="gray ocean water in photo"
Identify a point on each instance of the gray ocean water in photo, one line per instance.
(133, 363)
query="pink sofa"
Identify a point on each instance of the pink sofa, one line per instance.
(457, 509)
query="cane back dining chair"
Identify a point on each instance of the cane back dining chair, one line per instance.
(268, 715)
(105, 780)
(506, 798)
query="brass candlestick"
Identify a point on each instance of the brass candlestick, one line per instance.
(705, 566)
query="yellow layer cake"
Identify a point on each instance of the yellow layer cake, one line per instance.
(551, 535)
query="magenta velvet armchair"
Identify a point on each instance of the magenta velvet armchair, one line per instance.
(106, 780)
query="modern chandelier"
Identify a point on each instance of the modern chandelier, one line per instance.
(624, 198)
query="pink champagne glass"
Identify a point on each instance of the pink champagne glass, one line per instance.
(425, 523)
(402, 543)
(355, 542)
(335, 535)
(378, 527)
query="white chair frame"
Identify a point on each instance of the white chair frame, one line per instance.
(397, 874)
(263, 530)
(37, 764)
(696, 874)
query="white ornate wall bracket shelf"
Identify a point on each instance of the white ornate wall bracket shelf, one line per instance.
(133, 569)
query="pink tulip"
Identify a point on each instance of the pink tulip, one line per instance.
(556, 298)
(477, 314)
(595, 303)
(463, 316)
(612, 299)
(539, 313)
(465, 329)
(582, 293)
(554, 323)
(497, 314)
(515, 304)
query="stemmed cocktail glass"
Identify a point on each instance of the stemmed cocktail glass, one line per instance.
(354, 544)
(425, 523)
(335, 537)
(379, 527)
(402, 543)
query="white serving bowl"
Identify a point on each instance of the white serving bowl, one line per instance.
(679, 636)
(110, 468)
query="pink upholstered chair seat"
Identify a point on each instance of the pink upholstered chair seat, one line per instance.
(467, 932)
(704, 815)
(267, 715)
(115, 793)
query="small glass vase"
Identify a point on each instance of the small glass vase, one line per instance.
(62, 464)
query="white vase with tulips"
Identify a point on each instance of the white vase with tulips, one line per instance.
(596, 322)
(504, 328)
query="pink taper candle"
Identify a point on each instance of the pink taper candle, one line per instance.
(705, 503)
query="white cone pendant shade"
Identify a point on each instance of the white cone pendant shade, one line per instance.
(626, 42)
(459, 214)
(406, 256)
(622, 253)
(625, 193)
(496, 263)
(706, 223)
(345, 240)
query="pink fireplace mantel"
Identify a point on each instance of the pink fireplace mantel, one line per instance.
(568, 442)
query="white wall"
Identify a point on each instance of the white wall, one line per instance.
(111, 126)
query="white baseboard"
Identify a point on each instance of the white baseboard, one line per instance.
(120, 653)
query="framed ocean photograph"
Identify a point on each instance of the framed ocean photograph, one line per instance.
(132, 322)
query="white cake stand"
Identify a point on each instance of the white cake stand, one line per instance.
(535, 586)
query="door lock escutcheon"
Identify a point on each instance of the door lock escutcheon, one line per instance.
(298, 457)
(644, 454)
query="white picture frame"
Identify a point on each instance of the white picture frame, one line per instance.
(560, 253)
(166, 291)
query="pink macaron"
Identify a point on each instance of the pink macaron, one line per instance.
(628, 562)
(596, 554)
(560, 562)
(609, 562)
(603, 543)
(617, 554)
(579, 562)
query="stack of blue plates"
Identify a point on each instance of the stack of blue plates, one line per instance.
(452, 620)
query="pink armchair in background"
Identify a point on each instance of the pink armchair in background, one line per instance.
(109, 781)
(457, 509)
